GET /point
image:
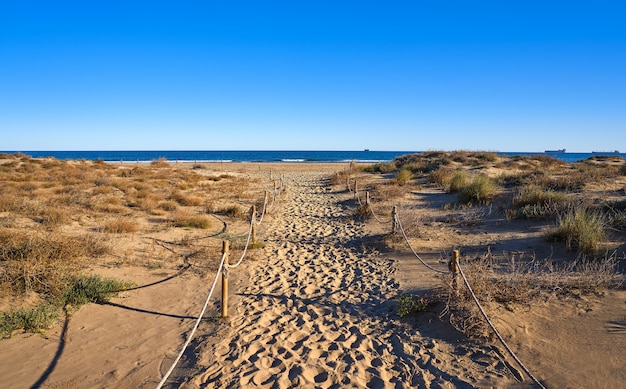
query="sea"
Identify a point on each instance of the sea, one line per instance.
(361, 156)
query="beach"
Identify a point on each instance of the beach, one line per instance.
(315, 303)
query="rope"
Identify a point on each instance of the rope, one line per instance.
(195, 327)
(414, 253)
(358, 198)
(506, 346)
(273, 199)
(264, 208)
(377, 218)
(247, 244)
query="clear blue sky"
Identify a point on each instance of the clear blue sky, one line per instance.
(313, 75)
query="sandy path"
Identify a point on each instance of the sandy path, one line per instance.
(318, 312)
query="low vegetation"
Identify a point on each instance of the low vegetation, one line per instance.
(36, 319)
(519, 285)
(481, 189)
(581, 228)
(574, 213)
(83, 289)
(59, 219)
(409, 304)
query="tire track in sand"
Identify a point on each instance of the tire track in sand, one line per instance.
(317, 313)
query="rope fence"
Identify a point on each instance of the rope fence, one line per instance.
(454, 269)
(223, 269)
(493, 327)
(195, 327)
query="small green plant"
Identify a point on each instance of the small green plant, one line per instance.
(404, 176)
(409, 304)
(581, 228)
(458, 181)
(534, 201)
(92, 289)
(30, 320)
(480, 190)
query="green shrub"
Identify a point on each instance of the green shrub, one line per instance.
(580, 228)
(480, 190)
(30, 320)
(92, 289)
(534, 194)
(458, 181)
(408, 304)
(533, 201)
(404, 176)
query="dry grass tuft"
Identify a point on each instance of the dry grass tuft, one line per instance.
(517, 285)
(38, 261)
(187, 220)
(160, 163)
(121, 226)
(186, 199)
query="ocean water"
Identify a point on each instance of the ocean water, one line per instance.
(265, 156)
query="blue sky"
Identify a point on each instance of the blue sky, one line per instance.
(304, 75)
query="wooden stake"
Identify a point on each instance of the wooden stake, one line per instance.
(454, 268)
(252, 217)
(225, 250)
(394, 223)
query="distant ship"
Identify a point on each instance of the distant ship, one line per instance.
(366, 150)
(605, 152)
(555, 151)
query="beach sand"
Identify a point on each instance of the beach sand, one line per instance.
(313, 308)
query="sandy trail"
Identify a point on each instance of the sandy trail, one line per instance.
(318, 312)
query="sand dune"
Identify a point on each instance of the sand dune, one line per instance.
(313, 309)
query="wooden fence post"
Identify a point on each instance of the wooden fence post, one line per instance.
(394, 219)
(225, 250)
(367, 198)
(454, 269)
(356, 189)
(252, 217)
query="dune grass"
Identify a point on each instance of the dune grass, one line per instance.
(582, 229)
